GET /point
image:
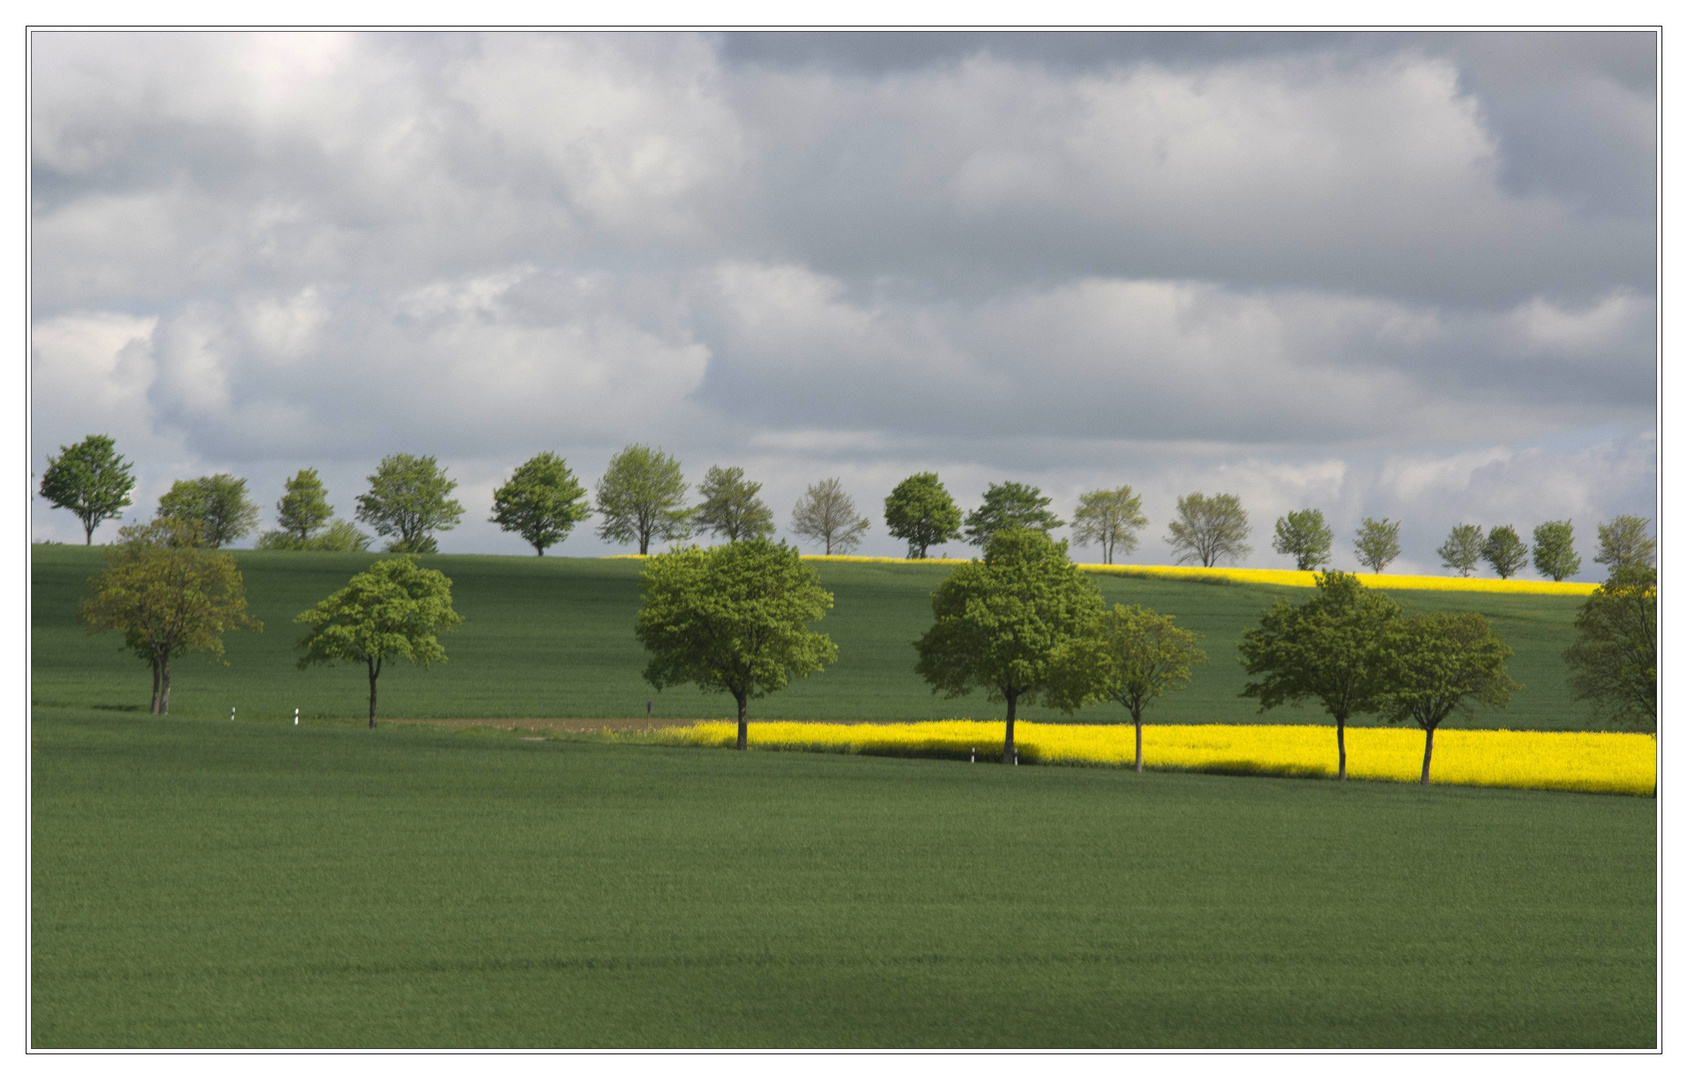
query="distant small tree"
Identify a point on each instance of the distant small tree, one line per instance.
(1135, 656)
(825, 513)
(998, 624)
(1377, 543)
(1614, 661)
(1505, 550)
(1624, 542)
(218, 503)
(409, 498)
(730, 508)
(1208, 530)
(1304, 535)
(395, 610)
(1463, 549)
(91, 480)
(1109, 519)
(340, 535)
(1441, 663)
(542, 502)
(921, 511)
(641, 497)
(1556, 553)
(733, 618)
(1009, 506)
(1333, 649)
(168, 596)
(303, 507)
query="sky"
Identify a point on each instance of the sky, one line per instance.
(1402, 275)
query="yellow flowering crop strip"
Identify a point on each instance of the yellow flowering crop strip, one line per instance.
(1609, 762)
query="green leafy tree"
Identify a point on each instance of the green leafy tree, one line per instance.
(1208, 530)
(1333, 649)
(409, 499)
(303, 507)
(1303, 534)
(827, 514)
(920, 511)
(1135, 656)
(641, 497)
(218, 503)
(1377, 543)
(733, 618)
(1556, 554)
(999, 624)
(1614, 661)
(168, 596)
(1441, 663)
(1505, 550)
(1109, 519)
(1624, 542)
(1463, 549)
(1009, 506)
(730, 508)
(395, 610)
(541, 502)
(91, 480)
(340, 535)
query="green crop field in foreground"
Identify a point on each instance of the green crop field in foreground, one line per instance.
(201, 883)
(554, 638)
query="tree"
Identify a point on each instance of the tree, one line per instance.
(1334, 649)
(827, 514)
(1441, 663)
(409, 498)
(168, 596)
(395, 610)
(1556, 554)
(1209, 529)
(1624, 542)
(1463, 549)
(1009, 506)
(641, 497)
(733, 618)
(921, 511)
(730, 507)
(1135, 657)
(1303, 534)
(218, 503)
(541, 502)
(1505, 550)
(999, 624)
(341, 535)
(90, 480)
(1614, 661)
(303, 507)
(1377, 543)
(1110, 519)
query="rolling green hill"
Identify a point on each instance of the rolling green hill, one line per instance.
(554, 638)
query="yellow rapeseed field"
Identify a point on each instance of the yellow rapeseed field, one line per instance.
(1613, 762)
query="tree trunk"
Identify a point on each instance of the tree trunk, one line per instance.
(1107, 552)
(1008, 736)
(1137, 716)
(164, 686)
(374, 673)
(1429, 736)
(539, 550)
(829, 543)
(87, 534)
(743, 724)
(153, 708)
(1341, 749)
(644, 542)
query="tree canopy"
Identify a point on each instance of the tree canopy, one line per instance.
(1463, 549)
(1505, 550)
(1009, 506)
(1304, 535)
(303, 507)
(730, 508)
(733, 618)
(827, 514)
(218, 503)
(1333, 649)
(1556, 553)
(409, 499)
(542, 502)
(395, 610)
(168, 596)
(1614, 660)
(91, 480)
(999, 623)
(1624, 543)
(641, 497)
(1109, 519)
(1208, 530)
(1377, 543)
(920, 511)
(1441, 663)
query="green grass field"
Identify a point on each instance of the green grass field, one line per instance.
(201, 883)
(554, 638)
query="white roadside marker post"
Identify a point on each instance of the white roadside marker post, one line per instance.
(231, 712)
(295, 717)
(972, 755)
